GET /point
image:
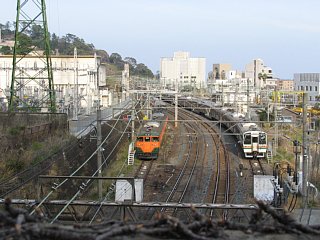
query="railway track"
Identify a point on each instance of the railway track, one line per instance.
(144, 170)
(221, 178)
(182, 182)
(256, 166)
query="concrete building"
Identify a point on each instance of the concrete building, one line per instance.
(189, 73)
(257, 71)
(219, 70)
(285, 85)
(69, 74)
(234, 92)
(309, 83)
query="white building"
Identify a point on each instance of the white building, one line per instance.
(236, 92)
(255, 70)
(188, 73)
(309, 83)
(69, 74)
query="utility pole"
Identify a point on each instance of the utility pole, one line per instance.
(275, 146)
(148, 101)
(222, 97)
(268, 113)
(235, 99)
(75, 85)
(248, 100)
(176, 105)
(99, 135)
(31, 15)
(304, 147)
(132, 118)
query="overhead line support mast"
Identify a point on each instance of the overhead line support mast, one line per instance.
(32, 90)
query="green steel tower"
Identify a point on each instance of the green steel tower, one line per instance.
(32, 88)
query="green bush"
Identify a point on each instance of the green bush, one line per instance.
(36, 146)
(16, 130)
(14, 165)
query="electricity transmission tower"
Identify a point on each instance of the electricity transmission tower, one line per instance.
(32, 87)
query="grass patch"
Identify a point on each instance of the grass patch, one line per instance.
(15, 131)
(116, 168)
(36, 146)
(14, 165)
(16, 160)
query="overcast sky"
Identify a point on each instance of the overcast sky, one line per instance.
(284, 33)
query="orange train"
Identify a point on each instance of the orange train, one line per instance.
(149, 138)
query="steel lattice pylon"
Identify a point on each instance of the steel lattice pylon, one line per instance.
(32, 87)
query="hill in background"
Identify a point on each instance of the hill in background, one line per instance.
(65, 46)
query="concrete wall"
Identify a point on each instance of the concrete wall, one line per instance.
(29, 121)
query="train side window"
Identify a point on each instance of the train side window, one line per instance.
(147, 139)
(255, 139)
(262, 138)
(155, 139)
(140, 139)
(247, 138)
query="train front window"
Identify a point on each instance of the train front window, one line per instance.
(147, 139)
(247, 139)
(140, 139)
(155, 139)
(254, 139)
(262, 138)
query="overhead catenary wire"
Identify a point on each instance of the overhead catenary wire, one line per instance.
(108, 193)
(85, 184)
(55, 187)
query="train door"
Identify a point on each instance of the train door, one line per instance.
(255, 143)
(247, 144)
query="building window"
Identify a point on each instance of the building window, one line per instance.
(310, 88)
(307, 88)
(316, 88)
(302, 88)
(310, 98)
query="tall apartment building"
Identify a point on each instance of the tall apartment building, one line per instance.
(181, 69)
(309, 83)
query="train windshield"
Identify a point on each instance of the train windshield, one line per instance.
(262, 138)
(254, 139)
(247, 138)
(155, 139)
(147, 139)
(140, 139)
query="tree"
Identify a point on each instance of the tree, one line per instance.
(37, 36)
(263, 76)
(115, 58)
(5, 50)
(104, 55)
(24, 45)
(54, 42)
(8, 25)
(157, 76)
(131, 61)
(143, 70)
